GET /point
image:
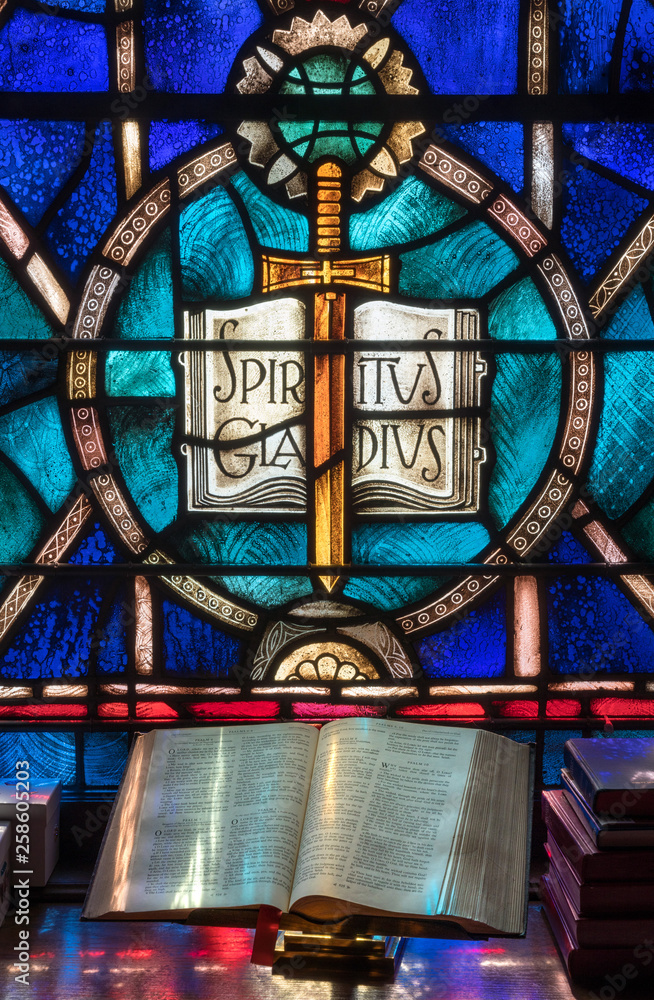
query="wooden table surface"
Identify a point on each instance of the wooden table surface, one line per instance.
(71, 959)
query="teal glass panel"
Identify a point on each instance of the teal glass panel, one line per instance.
(414, 210)
(391, 592)
(417, 543)
(33, 438)
(466, 264)
(623, 460)
(19, 317)
(519, 313)
(21, 521)
(267, 544)
(142, 438)
(51, 755)
(639, 532)
(146, 312)
(525, 404)
(554, 741)
(215, 255)
(139, 373)
(105, 756)
(273, 225)
(24, 372)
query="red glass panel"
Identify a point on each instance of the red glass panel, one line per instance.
(455, 710)
(563, 708)
(311, 710)
(155, 710)
(245, 710)
(43, 711)
(625, 707)
(113, 710)
(516, 709)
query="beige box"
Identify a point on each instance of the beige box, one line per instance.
(5, 851)
(44, 802)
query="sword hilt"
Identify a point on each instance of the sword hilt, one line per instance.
(328, 209)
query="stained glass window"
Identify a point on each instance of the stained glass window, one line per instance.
(325, 368)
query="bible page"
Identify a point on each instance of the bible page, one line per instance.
(222, 817)
(382, 814)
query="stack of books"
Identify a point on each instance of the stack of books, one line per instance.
(599, 892)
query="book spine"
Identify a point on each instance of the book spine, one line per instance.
(585, 781)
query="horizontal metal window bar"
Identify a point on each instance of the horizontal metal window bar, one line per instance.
(336, 569)
(144, 103)
(50, 348)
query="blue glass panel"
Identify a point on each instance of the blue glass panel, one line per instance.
(274, 225)
(19, 317)
(632, 734)
(568, 550)
(23, 372)
(519, 313)
(639, 531)
(51, 755)
(626, 148)
(142, 437)
(60, 634)
(391, 592)
(87, 6)
(417, 543)
(500, 145)
(193, 646)
(171, 139)
(95, 549)
(466, 264)
(525, 405)
(80, 223)
(592, 626)
(190, 46)
(40, 52)
(215, 255)
(554, 741)
(473, 647)
(147, 310)
(267, 544)
(36, 158)
(105, 756)
(412, 211)
(463, 46)
(587, 31)
(112, 635)
(637, 70)
(139, 373)
(623, 460)
(34, 439)
(21, 521)
(520, 735)
(596, 215)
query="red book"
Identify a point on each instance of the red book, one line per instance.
(589, 862)
(601, 899)
(615, 965)
(614, 775)
(598, 932)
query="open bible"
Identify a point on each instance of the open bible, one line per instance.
(368, 816)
